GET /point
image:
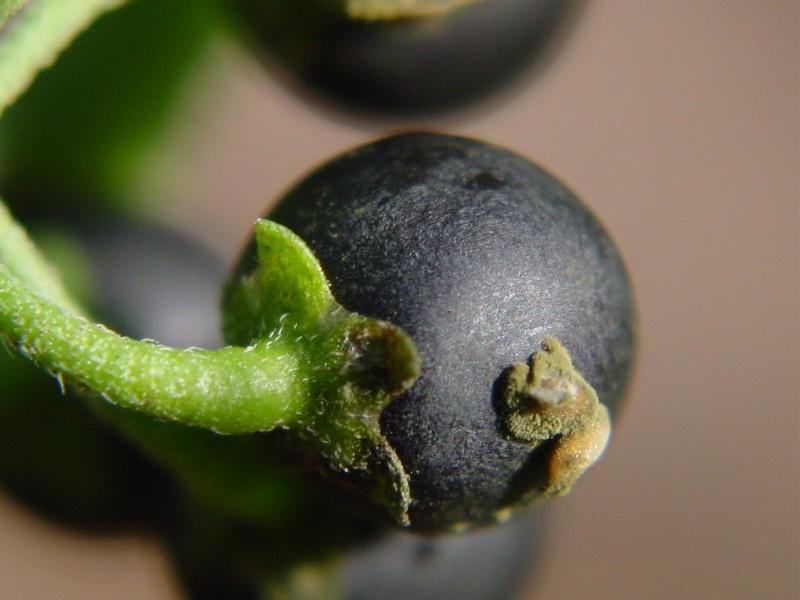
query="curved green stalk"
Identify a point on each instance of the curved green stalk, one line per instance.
(304, 350)
(300, 361)
(229, 390)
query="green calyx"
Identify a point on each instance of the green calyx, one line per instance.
(351, 365)
(297, 361)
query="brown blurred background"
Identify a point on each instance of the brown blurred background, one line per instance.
(677, 122)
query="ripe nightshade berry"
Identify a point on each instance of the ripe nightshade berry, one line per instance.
(487, 262)
(402, 57)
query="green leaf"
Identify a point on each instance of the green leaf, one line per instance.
(85, 129)
(32, 35)
(8, 8)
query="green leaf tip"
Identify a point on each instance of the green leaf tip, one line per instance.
(280, 291)
(285, 282)
(33, 33)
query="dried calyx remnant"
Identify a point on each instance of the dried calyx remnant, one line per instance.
(376, 10)
(548, 401)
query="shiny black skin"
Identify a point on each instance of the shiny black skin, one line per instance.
(478, 254)
(427, 64)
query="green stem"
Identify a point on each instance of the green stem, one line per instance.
(299, 361)
(229, 390)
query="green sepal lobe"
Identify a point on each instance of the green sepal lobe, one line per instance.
(353, 365)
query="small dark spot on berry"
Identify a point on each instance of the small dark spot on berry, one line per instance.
(485, 181)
